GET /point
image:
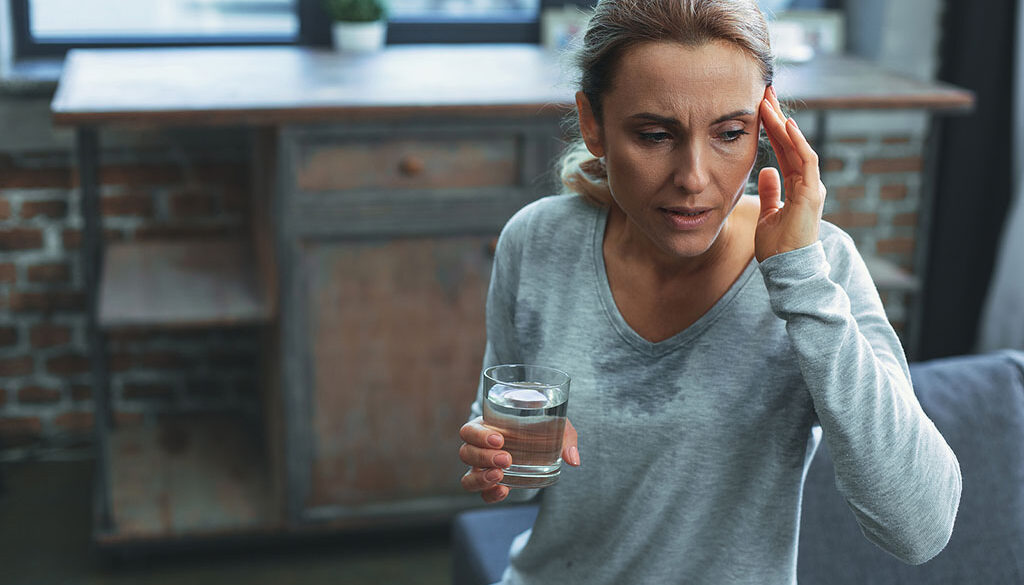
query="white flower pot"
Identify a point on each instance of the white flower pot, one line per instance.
(359, 37)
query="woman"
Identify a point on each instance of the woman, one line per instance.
(712, 337)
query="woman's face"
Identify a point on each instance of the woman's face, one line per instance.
(679, 136)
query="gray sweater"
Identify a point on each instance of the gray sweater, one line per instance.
(694, 449)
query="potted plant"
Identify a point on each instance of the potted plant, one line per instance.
(359, 25)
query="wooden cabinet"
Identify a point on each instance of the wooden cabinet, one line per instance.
(379, 182)
(386, 230)
(396, 336)
(205, 475)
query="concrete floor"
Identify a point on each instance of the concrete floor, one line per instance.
(46, 519)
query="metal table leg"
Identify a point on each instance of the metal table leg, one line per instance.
(92, 266)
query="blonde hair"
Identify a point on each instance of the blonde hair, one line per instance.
(618, 25)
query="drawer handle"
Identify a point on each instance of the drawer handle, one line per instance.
(411, 166)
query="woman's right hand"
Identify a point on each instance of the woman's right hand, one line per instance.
(482, 452)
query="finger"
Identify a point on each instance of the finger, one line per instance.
(785, 153)
(782, 161)
(477, 457)
(477, 479)
(494, 494)
(773, 112)
(570, 445)
(476, 433)
(769, 190)
(809, 169)
(773, 98)
(775, 127)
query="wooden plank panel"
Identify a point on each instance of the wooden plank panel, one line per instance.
(409, 164)
(264, 173)
(376, 215)
(180, 284)
(195, 475)
(398, 334)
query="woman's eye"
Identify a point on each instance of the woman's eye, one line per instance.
(732, 135)
(654, 137)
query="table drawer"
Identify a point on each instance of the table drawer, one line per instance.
(409, 164)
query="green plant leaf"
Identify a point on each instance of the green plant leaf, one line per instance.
(355, 10)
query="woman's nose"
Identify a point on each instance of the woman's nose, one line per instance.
(691, 174)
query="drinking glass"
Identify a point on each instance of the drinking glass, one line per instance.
(527, 405)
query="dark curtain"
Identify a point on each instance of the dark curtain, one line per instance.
(973, 176)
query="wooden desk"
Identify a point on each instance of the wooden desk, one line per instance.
(284, 85)
(378, 182)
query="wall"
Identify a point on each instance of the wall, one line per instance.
(154, 185)
(874, 181)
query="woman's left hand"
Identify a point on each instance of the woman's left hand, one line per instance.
(785, 227)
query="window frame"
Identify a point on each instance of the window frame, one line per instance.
(314, 31)
(27, 47)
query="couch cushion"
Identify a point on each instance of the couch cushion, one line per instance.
(481, 541)
(977, 403)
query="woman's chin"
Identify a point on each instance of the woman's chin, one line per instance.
(690, 243)
(686, 245)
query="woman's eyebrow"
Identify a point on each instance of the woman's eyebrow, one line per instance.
(732, 115)
(672, 122)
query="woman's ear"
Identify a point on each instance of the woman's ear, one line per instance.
(589, 127)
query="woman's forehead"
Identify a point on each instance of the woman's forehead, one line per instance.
(714, 77)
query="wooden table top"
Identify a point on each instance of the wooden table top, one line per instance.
(278, 85)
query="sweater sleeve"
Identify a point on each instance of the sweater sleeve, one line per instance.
(894, 469)
(502, 347)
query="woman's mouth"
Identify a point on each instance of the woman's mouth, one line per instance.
(685, 218)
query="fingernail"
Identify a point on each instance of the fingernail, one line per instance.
(574, 456)
(494, 440)
(771, 88)
(503, 460)
(492, 475)
(794, 123)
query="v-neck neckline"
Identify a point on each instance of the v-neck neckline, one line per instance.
(618, 322)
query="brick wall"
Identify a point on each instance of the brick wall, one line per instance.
(45, 393)
(874, 184)
(45, 390)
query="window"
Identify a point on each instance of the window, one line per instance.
(56, 20)
(51, 27)
(454, 10)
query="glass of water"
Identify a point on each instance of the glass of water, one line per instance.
(527, 405)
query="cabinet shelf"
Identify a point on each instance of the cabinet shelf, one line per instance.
(187, 477)
(181, 284)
